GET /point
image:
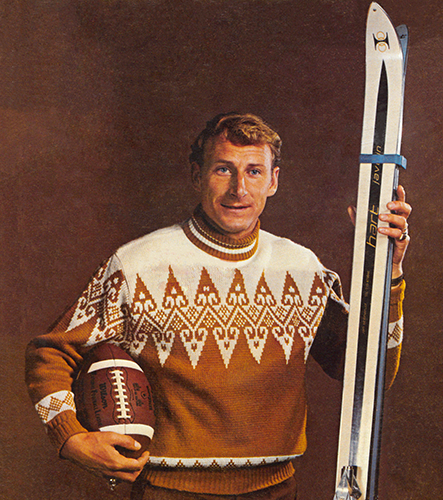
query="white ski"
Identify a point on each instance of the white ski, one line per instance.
(362, 401)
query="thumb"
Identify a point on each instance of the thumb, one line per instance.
(123, 440)
(352, 213)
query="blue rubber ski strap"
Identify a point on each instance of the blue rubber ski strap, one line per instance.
(397, 159)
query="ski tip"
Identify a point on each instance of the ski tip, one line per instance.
(381, 34)
(402, 31)
(375, 6)
(403, 36)
(376, 11)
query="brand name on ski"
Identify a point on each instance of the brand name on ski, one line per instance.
(372, 226)
(381, 41)
(371, 239)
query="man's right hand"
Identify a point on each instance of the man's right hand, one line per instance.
(97, 452)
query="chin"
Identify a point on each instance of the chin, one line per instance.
(231, 224)
(234, 230)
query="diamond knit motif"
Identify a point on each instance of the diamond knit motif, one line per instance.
(54, 404)
(395, 333)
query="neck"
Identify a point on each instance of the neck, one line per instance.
(206, 236)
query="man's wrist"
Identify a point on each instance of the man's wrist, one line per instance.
(396, 281)
(397, 270)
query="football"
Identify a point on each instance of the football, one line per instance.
(112, 393)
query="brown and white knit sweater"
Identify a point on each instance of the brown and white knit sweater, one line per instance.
(223, 330)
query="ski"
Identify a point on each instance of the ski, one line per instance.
(380, 162)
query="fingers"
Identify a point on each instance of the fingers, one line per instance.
(398, 225)
(397, 218)
(123, 468)
(399, 206)
(122, 440)
(127, 469)
(395, 226)
(397, 234)
(399, 211)
(401, 194)
(97, 452)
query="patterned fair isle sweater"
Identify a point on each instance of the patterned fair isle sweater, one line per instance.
(222, 329)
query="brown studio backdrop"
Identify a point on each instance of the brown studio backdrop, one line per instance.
(99, 101)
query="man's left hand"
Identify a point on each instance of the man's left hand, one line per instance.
(397, 218)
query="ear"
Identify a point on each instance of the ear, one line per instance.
(196, 175)
(273, 186)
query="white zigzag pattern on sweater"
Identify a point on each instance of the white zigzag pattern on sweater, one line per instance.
(105, 303)
(226, 319)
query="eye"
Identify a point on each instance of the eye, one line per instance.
(222, 170)
(255, 171)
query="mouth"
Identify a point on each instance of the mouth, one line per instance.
(235, 207)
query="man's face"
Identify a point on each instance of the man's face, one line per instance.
(234, 183)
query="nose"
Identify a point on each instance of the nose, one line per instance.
(238, 185)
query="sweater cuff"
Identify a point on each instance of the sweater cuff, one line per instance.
(396, 302)
(62, 427)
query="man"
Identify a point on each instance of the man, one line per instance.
(222, 317)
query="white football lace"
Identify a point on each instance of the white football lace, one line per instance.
(120, 392)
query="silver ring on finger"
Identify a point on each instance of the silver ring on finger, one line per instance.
(404, 234)
(112, 483)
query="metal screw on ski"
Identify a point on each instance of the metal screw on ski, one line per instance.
(380, 162)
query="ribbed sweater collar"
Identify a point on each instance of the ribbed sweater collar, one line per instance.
(204, 235)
